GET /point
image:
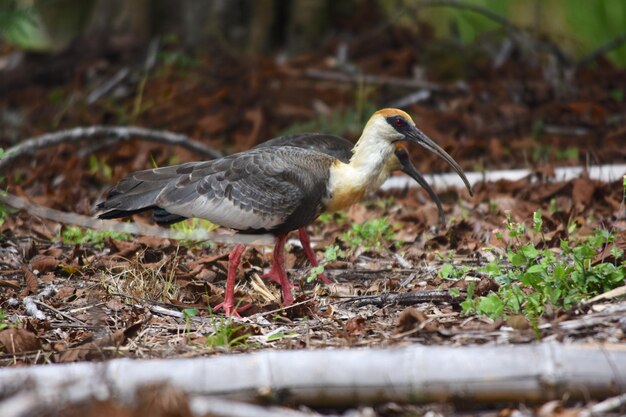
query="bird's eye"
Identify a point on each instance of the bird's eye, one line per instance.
(399, 122)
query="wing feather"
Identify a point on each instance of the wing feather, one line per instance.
(266, 189)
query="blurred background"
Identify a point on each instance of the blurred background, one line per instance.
(499, 84)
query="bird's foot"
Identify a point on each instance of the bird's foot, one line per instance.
(230, 309)
(273, 275)
(287, 294)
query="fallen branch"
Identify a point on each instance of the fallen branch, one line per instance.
(608, 46)
(113, 133)
(407, 298)
(132, 228)
(325, 378)
(119, 133)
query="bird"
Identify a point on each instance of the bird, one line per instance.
(272, 189)
(341, 149)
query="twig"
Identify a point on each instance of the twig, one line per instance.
(278, 310)
(614, 43)
(602, 408)
(375, 79)
(59, 312)
(408, 298)
(173, 313)
(120, 133)
(100, 91)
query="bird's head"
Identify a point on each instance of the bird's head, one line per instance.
(396, 127)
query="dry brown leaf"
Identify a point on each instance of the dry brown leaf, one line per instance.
(162, 400)
(87, 350)
(518, 322)
(43, 263)
(212, 123)
(10, 284)
(409, 319)
(31, 281)
(582, 191)
(19, 340)
(356, 326)
(485, 286)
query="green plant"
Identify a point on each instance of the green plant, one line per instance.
(20, 25)
(372, 234)
(188, 228)
(332, 253)
(334, 217)
(533, 277)
(98, 166)
(188, 314)
(74, 235)
(3, 320)
(279, 336)
(4, 212)
(226, 333)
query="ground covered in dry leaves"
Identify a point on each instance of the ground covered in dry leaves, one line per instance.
(73, 295)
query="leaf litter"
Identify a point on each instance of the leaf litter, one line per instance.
(104, 296)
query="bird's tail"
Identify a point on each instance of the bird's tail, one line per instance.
(136, 193)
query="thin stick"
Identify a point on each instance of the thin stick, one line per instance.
(408, 298)
(59, 312)
(608, 46)
(119, 133)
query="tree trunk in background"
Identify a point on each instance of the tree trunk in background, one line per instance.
(196, 21)
(63, 20)
(308, 21)
(264, 20)
(121, 23)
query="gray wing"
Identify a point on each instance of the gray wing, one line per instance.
(269, 189)
(332, 145)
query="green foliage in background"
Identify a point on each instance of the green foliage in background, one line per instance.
(595, 22)
(20, 25)
(44, 24)
(576, 26)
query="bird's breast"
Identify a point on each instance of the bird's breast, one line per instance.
(346, 186)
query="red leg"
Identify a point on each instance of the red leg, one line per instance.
(278, 268)
(310, 255)
(229, 294)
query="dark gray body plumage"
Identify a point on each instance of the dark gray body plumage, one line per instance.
(266, 189)
(332, 145)
(335, 146)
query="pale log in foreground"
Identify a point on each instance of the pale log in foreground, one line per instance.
(415, 374)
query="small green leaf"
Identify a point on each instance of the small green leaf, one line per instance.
(536, 269)
(446, 270)
(529, 251)
(517, 259)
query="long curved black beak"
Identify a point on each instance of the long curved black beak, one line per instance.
(409, 169)
(417, 136)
